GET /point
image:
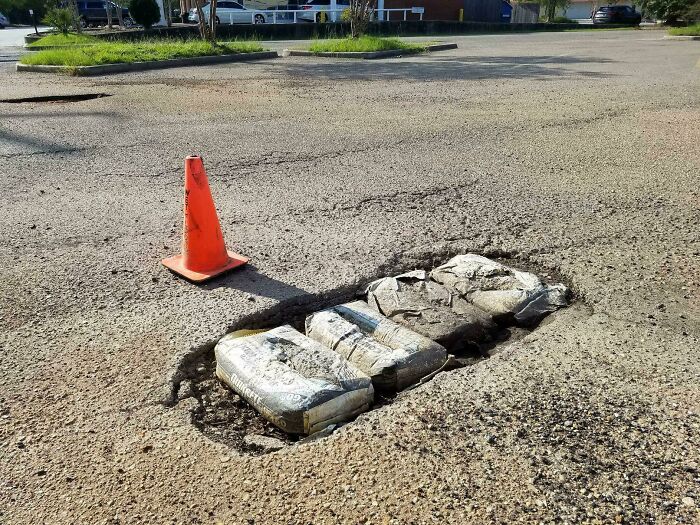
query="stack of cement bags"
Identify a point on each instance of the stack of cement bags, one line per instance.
(303, 383)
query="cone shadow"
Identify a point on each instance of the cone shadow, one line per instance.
(248, 279)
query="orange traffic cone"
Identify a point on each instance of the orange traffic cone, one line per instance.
(204, 253)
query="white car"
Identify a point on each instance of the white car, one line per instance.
(4, 21)
(228, 12)
(313, 9)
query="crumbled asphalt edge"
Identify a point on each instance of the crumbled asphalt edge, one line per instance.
(194, 375)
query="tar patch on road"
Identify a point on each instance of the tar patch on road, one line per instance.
(55, 99)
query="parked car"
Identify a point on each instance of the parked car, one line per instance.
(228, 12)
(313, 10)
(616, 14)
(94, 13)
(4, 21)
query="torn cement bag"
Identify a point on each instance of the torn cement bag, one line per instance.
(294, 382)
(500, 290)
(430, 309)
(393, 356)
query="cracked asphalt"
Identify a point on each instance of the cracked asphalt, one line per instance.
(576, 153)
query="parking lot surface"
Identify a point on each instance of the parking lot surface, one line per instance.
(575, 153)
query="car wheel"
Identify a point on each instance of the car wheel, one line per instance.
(217, 20)
(82, 22)
(259, 19)
(321, 18)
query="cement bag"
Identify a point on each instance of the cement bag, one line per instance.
(294, 382)
(500, 290)
(430, 309)
(393, 356)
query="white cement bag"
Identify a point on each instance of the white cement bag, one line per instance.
(294, 382)
(393, 356)
(500, 290)
(426, 307)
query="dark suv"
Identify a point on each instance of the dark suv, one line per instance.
(95, 13)
(616, 14)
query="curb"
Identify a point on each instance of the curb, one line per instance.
(108, 69)
(681, 37)
(369, 55)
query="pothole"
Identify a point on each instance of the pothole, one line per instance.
(224, 416)
(55, 99)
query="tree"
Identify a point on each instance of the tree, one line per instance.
(60, 18)
(360, 15)
(550, 7)
(670, 10)
(144, 12)
(108, 10)
(207, 28)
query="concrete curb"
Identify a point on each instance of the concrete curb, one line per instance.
(681, 37)
(108, 69)
(368, 55)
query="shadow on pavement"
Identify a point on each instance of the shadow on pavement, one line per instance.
(447, 68)
(249, 279)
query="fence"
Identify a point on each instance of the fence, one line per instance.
(293, 16)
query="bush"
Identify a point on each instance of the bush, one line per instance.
(63, 19)
(144, 12)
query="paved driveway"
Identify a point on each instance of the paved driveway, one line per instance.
(577, 153)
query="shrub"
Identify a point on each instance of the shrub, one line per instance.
(63, 19)
(144, 12)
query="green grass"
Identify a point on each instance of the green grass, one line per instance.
(693, 30)
(71, 39)
(128, 52)
(364, 44)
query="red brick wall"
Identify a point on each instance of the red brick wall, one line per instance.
(434, 9)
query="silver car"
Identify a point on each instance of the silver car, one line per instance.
(4, 21)
(318, 10)
(228, 12)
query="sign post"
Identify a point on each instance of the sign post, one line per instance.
(31, 12)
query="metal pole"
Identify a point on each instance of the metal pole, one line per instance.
(295, 16)
(31, 12)
(405, 12)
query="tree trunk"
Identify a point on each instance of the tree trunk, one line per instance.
(203, 26)
(108, 9)
(167, 7)
(76, 16)
(120, 17)
(212, 21)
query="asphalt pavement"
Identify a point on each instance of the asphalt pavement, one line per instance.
(576, 154)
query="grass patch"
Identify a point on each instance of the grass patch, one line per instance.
(364, 44)
(693, 30)
(71, 39)
(129, 52)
